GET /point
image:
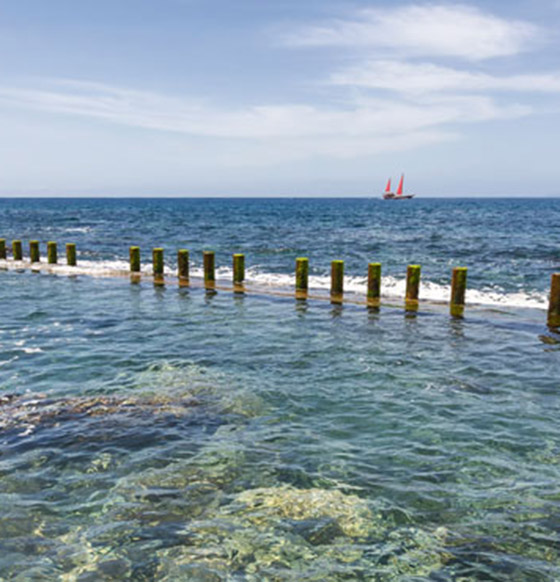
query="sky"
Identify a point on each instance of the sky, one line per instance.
(279, 98)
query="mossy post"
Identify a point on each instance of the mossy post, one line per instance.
(374, 285)
(337, 281)
(17, 253)
(157, 260)
(183, 267)
(238, 272)
(71, 254)
(554, 303)
(34, 255)
(2, 248)
(52, 254)
(208, 259)
(134, 259)
(412, 287)
(458, 288)
(302, 277)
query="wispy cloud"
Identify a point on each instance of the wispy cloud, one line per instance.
(428, 102)
(454, 30)
(362, 118)
(407, 77)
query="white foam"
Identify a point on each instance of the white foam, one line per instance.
(82, 229)
(391, 287)
(32, 350)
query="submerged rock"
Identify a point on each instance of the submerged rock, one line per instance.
(25, 414)
(351, 514)
(282, 534)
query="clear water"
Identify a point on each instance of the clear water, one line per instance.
(165, 434)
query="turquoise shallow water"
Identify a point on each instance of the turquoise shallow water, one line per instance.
(165, 434)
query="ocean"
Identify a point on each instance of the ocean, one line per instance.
(165, 433)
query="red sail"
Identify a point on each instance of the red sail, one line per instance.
(399, 189)
(388, 187)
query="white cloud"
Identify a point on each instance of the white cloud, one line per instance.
(453, 30)
(406, 77)
(367, 119)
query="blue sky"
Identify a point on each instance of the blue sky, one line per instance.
(282, 98)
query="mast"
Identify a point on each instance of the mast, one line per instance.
(400, 188)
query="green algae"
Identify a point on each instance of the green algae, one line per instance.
(374, 284)
(302, 275)
(337, 281)
(238, 269)
(71, 254)
(553, 320)
(183, 265)
(208, 258)
(17, 252)
(52, 253)
(134, 253)
(458, 288)
(34, 256)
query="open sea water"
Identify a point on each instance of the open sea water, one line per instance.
(170, 434)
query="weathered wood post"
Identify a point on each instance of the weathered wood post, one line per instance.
(374, 285)
(2, 248)
(71, 254)
(554, 302)
(412, 287)
(337, 281)
(302, 277)
(183, 267)
(157, 260)
(52, 254)
(34, 255)
(134, 254)
(458, 287)
(208, 259)
(238, 272)
(17, 253)
(134, 259)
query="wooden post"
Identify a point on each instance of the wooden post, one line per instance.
(374, 285)
(34, 256)
(412, 287)
(337, 281)
(2, 248)
(183, 266)
(458, 287)
(157, 260)
(52, 255)
(134, 259)
(302, 277)
(71, 254)
(208, 259)
(238, 272)
(16, 250)
(554, 303)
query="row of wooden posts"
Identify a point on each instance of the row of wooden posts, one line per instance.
(458, 280)
(34, 253)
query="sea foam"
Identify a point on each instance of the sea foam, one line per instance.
(392, 288)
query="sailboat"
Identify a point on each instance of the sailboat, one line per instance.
(388, 195)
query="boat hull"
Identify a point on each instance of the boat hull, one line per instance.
(392, 196)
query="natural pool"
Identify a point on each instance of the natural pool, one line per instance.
(165, 434)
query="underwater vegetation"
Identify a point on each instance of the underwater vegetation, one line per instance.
(90, 494)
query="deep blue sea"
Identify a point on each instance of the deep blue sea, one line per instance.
(165, 433)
